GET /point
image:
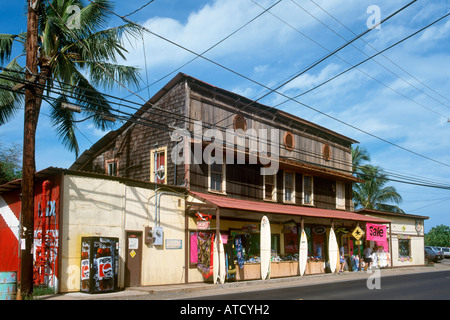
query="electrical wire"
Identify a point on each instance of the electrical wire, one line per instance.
(387, 58)
(137, 10)
(262, 85)
(407, 180)
(203, 57)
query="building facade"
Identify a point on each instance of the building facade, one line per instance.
(72, 206)
(237, 158)
(406, 237)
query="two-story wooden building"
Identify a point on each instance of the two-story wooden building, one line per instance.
(239, 160)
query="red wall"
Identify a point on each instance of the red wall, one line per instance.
(46, 230)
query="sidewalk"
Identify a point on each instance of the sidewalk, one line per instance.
(192, 290)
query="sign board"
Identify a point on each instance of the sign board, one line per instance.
(202, 225)
(357, 233)
(375, 232)
(174, 244)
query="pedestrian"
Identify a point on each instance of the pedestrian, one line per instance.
(368, 257)
(342, 261)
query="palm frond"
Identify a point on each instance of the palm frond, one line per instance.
(64, 122)
(86, 95)
(6, 46)
(106, 74)
(10, 102)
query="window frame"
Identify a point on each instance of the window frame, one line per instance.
(152, 163)
(340, 202)
(292, 200)
(223, 183)
(274, 190)
(311, 203)
(107, 167)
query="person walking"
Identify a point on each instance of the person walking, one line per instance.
(368, 257)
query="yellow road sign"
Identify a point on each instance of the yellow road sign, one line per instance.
(357, 233)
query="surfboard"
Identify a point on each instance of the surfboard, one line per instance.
(333, 250)
(303, 253)
(265, 244)
(222, 268)
(215, 259)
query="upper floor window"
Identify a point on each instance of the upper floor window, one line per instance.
(289, 187)
(158, 167)
(112, 167)
(326, 152)
(340, 195)
(270, 187)
(308, 190)
(217, 177)
(289, 141)
(239, 122)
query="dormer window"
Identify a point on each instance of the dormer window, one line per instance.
(112, 167)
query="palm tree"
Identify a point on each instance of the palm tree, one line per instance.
(73, 61)
(373, 194)
(359, 155)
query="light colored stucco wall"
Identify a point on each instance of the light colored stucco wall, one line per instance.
(100, 207)
(405, 228)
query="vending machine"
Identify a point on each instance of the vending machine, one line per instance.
(99, 264)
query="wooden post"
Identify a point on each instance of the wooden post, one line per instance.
(29, 143)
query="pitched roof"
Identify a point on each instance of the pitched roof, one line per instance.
(109, 137)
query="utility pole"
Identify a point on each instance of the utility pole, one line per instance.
(29, 143)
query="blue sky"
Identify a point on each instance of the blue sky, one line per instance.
(402, 96)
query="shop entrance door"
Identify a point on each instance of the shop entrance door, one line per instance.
(133, 261)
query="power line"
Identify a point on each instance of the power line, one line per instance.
(210, 48)
(298, 74)
(139, 9)
(272, 90)
(378, 53)
(155, 124)
(387, 58)
(370, 58)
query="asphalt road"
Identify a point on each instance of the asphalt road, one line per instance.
(421, 286)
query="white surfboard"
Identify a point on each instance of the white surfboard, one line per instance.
(303, 253)
(215, 259)
(222, 269)
(265, 245)
(333, 250)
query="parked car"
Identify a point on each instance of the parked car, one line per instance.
(446, 251)
(430, 255)
(438, 253)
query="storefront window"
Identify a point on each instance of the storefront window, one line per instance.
(404, 248)
(290, 240)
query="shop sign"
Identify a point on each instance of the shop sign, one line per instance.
(250, 228)
(357, 233)
(376, 232)
(419, 226)
(319, 230)
(202, 225)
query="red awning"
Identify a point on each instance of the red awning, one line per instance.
(269, 207)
